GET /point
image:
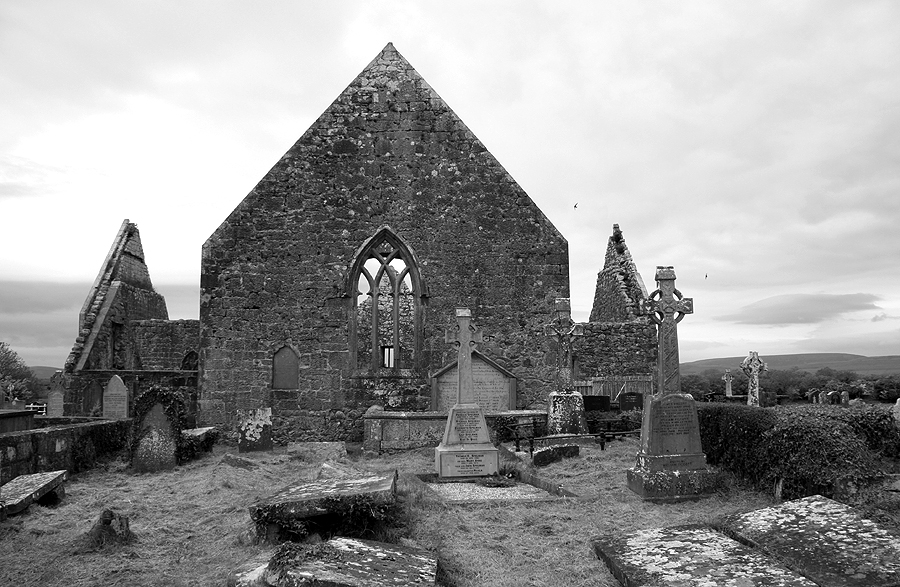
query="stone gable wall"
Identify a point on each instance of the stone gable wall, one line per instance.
(388, 152)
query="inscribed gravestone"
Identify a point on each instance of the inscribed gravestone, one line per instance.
(631, 401)
(156, 445)
(670, 465)
(55, 404)
(115, 399)
(494, 386)
(466, 449)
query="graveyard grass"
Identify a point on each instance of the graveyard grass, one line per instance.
(193, 527)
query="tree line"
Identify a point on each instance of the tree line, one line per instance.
(795, 383)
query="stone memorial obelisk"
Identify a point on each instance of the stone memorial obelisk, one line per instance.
(670, 465)
(466, 449)
(565, 406)
(727, 379)
(751, 366)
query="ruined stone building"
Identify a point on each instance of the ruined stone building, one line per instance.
(329, 288)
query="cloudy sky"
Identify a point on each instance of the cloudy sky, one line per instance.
(754, 146)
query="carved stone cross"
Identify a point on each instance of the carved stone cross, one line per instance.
(465, 336)
(751, 366)
(666, 307)
(727, 379)
(565, 331)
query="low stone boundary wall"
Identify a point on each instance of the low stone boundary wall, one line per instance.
(394, 431)
(74, 447)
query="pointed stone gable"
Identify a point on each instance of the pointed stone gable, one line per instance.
(619, 285)
(123, 268)
(387, 155)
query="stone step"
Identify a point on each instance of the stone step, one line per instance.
(690, 556)
(24, 490)
(824, 540)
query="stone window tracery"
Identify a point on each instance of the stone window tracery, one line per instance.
(386, 314)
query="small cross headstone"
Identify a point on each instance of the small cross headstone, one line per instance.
(156, 446)
(752, 366)
(727, 379)
(115, 399)
(565, 409)
(55, 401)
(670, 465)
(466, 449)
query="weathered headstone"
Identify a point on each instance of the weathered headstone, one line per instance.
(751, 366)
(727, 379)
(670, 465)
(254, 429)
(156, 446)
(631, 401)
(466, 449)
(565, 407)
(302, 504)
(494, 386)
(115, 399)
(689, 556)
(340, 562)
(824, 540)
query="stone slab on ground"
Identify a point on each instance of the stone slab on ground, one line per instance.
(199, 433)
(308, 499)
(24, 490)
(341, 562)
(551, 454)
(824, 540)
(690, 556)
(316, 452)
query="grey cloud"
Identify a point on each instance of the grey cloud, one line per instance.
(802, 308)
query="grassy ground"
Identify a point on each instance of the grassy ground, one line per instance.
(193, 527)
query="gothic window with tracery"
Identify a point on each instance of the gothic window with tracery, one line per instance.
(387, 308)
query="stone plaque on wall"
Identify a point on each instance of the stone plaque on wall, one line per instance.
(115, 399)
(495, 387)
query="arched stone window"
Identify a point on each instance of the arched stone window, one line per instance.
(190, 361)
(387, 294)
(285, 369)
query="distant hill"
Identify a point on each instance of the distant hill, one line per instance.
(805, 362)
(44, 372)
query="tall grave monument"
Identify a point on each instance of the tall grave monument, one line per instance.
(751, 366)
(671, 465)
(727, 379)
(565, 407)
(466, 449)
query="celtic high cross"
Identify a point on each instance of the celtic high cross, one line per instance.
(565, 331)
(666, 307)
(464, 336)
(752, 365)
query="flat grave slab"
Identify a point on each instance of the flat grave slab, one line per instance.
(309, 499)
(690, 556)
(824, 540)
(24, 490)
(342, 562)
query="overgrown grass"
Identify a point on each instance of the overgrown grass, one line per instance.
(193, 527)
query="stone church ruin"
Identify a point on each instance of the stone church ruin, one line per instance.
(329, 287)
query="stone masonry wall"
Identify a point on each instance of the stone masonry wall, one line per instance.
(608, 349)
(163, 344)
(388, 153)
(619, 285)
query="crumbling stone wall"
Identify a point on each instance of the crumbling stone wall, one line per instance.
(619, 285)
(609, 348)
(163, 344)
(388, 153)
